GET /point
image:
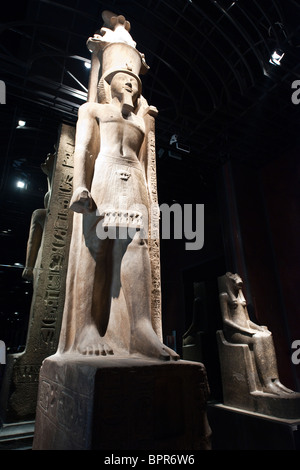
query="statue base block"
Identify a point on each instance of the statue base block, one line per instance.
(135, 403)
(241, 387)
(235, 429)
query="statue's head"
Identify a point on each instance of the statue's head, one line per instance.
(235, 280)
(47, 166)
(119, 83)
(123, 82)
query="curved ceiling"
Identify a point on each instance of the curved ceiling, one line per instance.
(210, 78)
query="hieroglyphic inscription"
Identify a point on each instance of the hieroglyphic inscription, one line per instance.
(67, 409)
(121, 404)
(154, 248)
(58, 249)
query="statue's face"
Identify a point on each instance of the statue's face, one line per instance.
(124, 83)
(48, 163)
(235, 279)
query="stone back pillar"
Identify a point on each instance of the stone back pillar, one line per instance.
(20, 383)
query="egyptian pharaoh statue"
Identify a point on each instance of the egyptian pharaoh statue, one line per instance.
(248, 358)
(109, 281)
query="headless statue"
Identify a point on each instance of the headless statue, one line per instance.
(109, 252)
(37, 224)
(190, 337)
(239, 329)
(192, 340)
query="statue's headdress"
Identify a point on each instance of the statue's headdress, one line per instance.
(114, 51)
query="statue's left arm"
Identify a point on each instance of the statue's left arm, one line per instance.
(254, 326)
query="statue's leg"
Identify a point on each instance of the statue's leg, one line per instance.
(136, 282)
(267, 365)
(101, 296)
(92, 293)
(262, 346)
(266, 362)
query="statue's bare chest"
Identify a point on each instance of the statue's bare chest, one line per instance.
(112, 119)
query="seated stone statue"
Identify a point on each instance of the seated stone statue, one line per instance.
(239, 329)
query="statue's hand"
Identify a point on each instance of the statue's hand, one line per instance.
(27, 274)
(261, 328)
(82, 201)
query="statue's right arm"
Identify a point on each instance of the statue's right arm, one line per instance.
(34, 242)
(86, 150)
(227, 321)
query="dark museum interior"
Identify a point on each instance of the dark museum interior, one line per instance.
(225, 78)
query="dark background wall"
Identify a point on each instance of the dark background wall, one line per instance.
(252, 226)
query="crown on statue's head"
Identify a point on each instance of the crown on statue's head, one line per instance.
(116, 49)
(120, 57)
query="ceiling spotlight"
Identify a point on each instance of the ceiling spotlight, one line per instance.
(20, 184)
(87, 65)
(21, 123)
(276, 57)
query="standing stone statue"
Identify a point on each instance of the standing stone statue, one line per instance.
(109, 283)
(37, 224)
(248, 358)
(112, 383)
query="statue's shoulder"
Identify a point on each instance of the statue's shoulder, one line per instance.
(89, 109)
(223, 296)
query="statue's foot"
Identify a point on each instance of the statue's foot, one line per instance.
(271, 388)
(283, 389)
(90, 343)
(145, 341)
(275, 387)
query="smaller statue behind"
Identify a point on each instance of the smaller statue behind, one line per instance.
(37, 224)
(238, 329)
(192, 347)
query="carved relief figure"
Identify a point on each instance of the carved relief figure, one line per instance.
(37, 225)
(239, 329)
(108, 306)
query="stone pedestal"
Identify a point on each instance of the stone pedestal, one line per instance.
(241, 385)
(20, 382)
(121, 403)
(236, 429)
